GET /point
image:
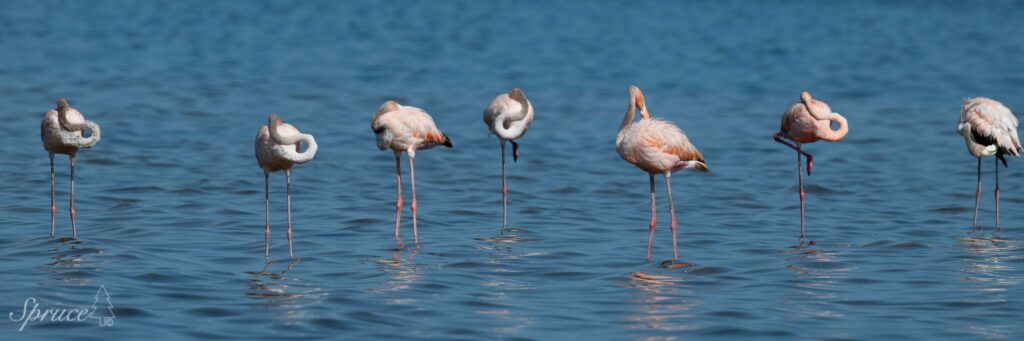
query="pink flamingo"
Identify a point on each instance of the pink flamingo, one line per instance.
(61, 131)
(403, 128)
(988, 128)
(278, 146)
(657, 147)
(805, 122)
(508, 117)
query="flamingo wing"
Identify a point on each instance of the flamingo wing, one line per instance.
(991, 123)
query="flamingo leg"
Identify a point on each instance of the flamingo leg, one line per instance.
(997, 192)
(266, 231)
(53, 204)
(977, 194)
(398, 204)
(504, 189)
(650, 233)
(74, 228)
(779, 139)
(672, 212)
(800, 181)
(412, 181)
(288, 189)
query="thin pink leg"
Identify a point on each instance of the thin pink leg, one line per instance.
(778, 138)
(977, 193)
(997, 193)
(654, 220)
(398, 204)
(800, 180)
(412, 182)
(53, 204)
(74, 228)
(266, 231)
(672, 211)
(288, 186)
(504, 189)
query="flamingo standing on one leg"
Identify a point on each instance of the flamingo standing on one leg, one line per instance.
(508, 117)
(657, 147)
(61, 131)
(805, 122)
(403, 128)
(988, 128)
(278, 147)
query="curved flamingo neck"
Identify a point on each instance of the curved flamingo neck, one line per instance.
(627, 120)
(838, 134)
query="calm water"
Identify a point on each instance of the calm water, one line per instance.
(170, 203)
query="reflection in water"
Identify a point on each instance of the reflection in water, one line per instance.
(988, 268)
(501, 280)
(403, 272)
(279, 291)
(503, 245)
(818, 273)
(663, 303)
(71, 260)
(989, 263)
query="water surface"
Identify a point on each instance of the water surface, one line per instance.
(170, 202)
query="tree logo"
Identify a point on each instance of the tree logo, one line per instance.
(105, 315)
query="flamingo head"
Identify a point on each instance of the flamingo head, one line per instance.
(813, 105)
(273, 120)
(638, 99)
(62, 105)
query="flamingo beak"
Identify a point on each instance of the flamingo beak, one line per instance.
(515, 151)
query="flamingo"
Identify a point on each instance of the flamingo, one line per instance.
(274, 152)
(808, 121)
(508, 117)
(61, 132)
(403, 128)
(657, 147)
(988, 128)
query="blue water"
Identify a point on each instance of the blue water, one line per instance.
(170, 202)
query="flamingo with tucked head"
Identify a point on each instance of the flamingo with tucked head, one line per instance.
(278, 147)
(508, 117)
(656, 147)
(61, 132)
(989, 129)
(808, 121)
(404, 128)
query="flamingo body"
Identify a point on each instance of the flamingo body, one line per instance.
(59, 140)
(509, 115)
(273, 156)
(989, 129)
(803, 126)
(406, 129)
(61, 133)
(278, 148)
(657, 147)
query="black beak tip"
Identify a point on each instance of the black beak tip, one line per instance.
(515, 151)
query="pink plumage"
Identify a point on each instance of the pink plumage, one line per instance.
(61, 132)
(989, 129)
(808, 121)
(406, 129)
(656, 147)
(508, 117)
(278, 148)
